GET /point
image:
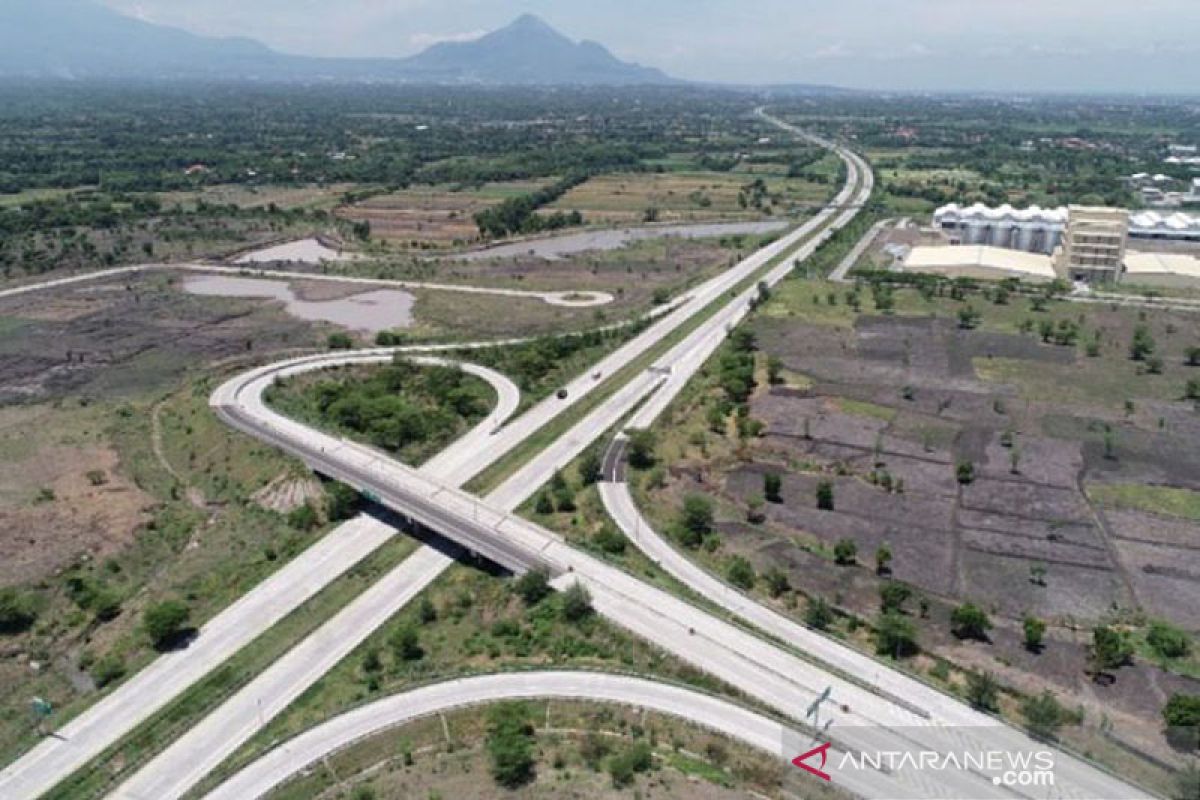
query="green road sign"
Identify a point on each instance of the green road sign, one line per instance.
(42, 708)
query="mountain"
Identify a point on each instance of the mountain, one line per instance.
(83, 39)
(80, 38)
(527, 52)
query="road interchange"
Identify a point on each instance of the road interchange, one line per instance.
(488, 527)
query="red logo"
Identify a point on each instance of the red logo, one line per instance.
(823, 751)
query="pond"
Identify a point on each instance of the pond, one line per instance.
(376, 310)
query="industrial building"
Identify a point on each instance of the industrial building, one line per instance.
(1034, 229)
(1040, 230)
(1092, 245)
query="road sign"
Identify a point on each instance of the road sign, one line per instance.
(42, 708)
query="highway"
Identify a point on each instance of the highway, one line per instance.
(759, 668)
(239, 402)
(724, 650)
(865, 720)
(756, 730)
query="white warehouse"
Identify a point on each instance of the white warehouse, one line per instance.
(1040, 230)
(1033, 229)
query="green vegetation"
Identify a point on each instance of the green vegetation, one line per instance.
(1168, 500)
(510, 745)
(968, 621)
(166, 622)
(1182, 717)
(405, 408)
(517, 214)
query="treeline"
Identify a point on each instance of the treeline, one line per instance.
(519, 214)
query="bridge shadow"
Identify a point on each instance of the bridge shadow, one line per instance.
(437, 541)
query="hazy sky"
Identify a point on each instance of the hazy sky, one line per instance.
(1138, 45)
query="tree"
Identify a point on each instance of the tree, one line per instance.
(533, 586)
(340, 341)
(772, 487)
(343, 501)
(1182, 717)
(819, 614)
(895, 636)
(968, 318)
(883, 559)
(17, 613)
(983, 691)
(590, 467)
(641, 449)
(969, 621)
(166, 622)
(741, 573)
(543, 504)
(510, 745)
(576, 603)
(696, 519)
(1035, 632)
(965, 472)
(1110, 650)
(825, 496)
(427, 612)
(845, 552)
(1168, 641)
(406, 644)
(1043, 715)
(1193, 356)
(893, 595)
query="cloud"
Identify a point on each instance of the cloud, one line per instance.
(423, 40)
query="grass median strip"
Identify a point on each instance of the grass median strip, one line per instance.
(140, 745)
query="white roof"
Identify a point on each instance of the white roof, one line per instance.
(1181, 264)
(1004, 212)
(1158, 222)
(1016, 263)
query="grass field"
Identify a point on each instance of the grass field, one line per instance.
(1166, 500)
(685, 196)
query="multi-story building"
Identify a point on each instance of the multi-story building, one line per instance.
(1093, 244)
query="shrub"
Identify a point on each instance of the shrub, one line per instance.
(108, 670)
(625, 765)
(895, 636)
(340, 341)
(533, 586)
(741, 573)
(819, 614)
(845, 552)
(983, 691)
(825, 496)
(641, 449)
(590, 467)
(696, 519)
(777, 581)
(1043, 715)
(1110, 649)
(1168, 641)
(510, 745)
(1035, 631)
(893, 595)
(406, 644)
(1182, 716)
(969, 621)
(772, 487)
(576, 603)
(965, 472)
(166, 623)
